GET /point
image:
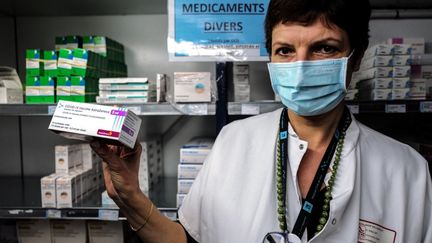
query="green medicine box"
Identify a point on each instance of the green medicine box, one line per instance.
(63, 89)
(60, 43)
(73, 42)
(49, 63)
(84, 89)
(40, 90)
(86, 63)
(65, 61)
(33, 63)
(89, 43)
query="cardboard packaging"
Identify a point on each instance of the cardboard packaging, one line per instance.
(376, 83)
(400, 83)
(65, 62)
(400, 94)
(48, 191)
(33, 63)
(379, 50)
(184, 186)
(60, 43)
(49, 63)
(188, 171)
(85, 121)
(73, 42)
(402, 60)
(192, 87)
(11, 90)
(67, 157)
(417, 44)
(376, 94)
(40, 90)
(105, 231)
(402, 49)
(83, 89)
(63, 89)
(33, 231)
(89, 43)
(377, 61)
(68, 231)
(401, 71)
(196, 151)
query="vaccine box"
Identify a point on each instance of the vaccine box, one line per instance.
(105, 231)
(48, 191)
(188, 171)
(33, 58)
(402, 49)
(184, 186)
(417, 44)
(379, 50)
(33, 231)
(192, 87)
(85, 121)
(68, 231)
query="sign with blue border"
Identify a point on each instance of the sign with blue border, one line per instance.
(217, 30)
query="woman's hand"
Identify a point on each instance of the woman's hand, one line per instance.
(120, 168)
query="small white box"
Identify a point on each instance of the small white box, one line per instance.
(241, 88)
(242, 69)
(188, 171)
(417, 44)
(161, 88)
(401, 71)
(192, 87)
(196, 151)
(401, 83)
(68, 231)
(84, 121)
(89, 157)
(180, 199)
(376, 83)
(402, 49)
(241, 79)
(11, 91)
(352, 94)
(402, 60)
(33, 231)
(376, 72)
(379, 50)
(65, 190)
(48, 191)
(400, 94)
(67, 157)
(377, 61)
(184, 186)
(105, 231)
(242, 97)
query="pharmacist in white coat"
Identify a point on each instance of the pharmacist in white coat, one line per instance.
(306, 173)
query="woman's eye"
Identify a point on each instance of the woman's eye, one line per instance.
(325, 49)
(284, 51)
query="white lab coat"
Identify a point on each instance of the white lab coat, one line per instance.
(382, 192)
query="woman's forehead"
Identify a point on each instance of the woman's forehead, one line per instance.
(317, 31)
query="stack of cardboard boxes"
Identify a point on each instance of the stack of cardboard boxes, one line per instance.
(69, 231)
(78, 173)
(192, 157)
(387, 72)
(71, 72)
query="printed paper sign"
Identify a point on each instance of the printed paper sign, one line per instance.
(217, 30)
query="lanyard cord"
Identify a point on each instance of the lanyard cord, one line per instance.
(336, 144)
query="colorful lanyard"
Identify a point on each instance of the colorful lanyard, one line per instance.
(308, 204)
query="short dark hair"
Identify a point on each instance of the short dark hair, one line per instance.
(352, 16)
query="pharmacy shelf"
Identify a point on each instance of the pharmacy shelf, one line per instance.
(393, 106)
(195, 109)
(24, 201)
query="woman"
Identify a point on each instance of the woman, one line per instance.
(308, 173)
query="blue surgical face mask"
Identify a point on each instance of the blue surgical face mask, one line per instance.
(310, 88)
